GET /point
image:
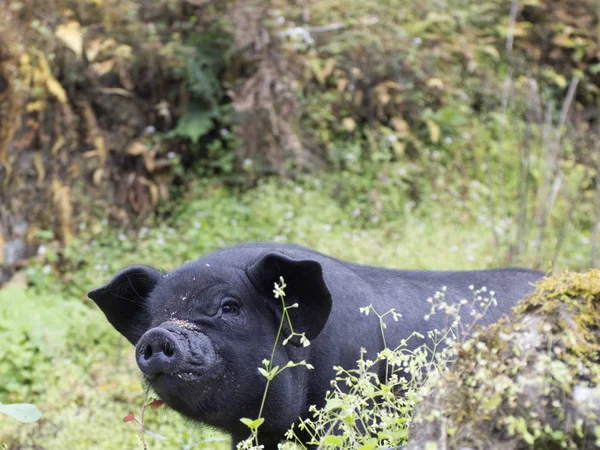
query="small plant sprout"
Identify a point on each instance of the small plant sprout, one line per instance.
(482, 300)
(362, 411)
(148, 403)
(269, 371)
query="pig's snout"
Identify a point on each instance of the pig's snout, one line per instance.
(158, 351)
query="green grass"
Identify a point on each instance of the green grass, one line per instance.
(61, 354)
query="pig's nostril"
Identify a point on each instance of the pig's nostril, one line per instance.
(158, 352)
(168, 349)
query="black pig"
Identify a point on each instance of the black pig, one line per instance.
(202, 330)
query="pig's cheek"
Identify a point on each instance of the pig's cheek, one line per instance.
(235, 324)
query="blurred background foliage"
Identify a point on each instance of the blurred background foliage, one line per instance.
(112, 108)
(421, 134)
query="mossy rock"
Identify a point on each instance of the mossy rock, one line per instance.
(528, 381)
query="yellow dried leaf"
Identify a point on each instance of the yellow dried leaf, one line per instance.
(103, 67)
(563, 40)
(39, 166)
(328, 69)
(399, 124)
(62, 200)
(492, 51)
(70, 34)
(42, 73)
(136, 148)
(93, 49)
(154, 194)
(435, 83)
(434, 131)
(25, 59)
(149, 162)
(55, 88)
(348, 123)
(25, 68)
(154, 197)
(342, 83)
(108, 45)
(390, 86)
(74, 169)
(99, 144)
(592, 88)
(384, 98)
(520, 29)
(60, 142)
(94, 132)
(124, 51)
(35, 106)
(90, 154)
(97, 177)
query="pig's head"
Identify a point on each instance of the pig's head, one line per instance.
(202, 330)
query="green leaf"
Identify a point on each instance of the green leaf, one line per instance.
(595, 69)
(23, 412)
(273, 372)
(193, 125)
(368, 447)
(334, 403)
(330, 439)
(493, 402)
(252, 424)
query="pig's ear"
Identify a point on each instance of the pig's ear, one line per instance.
(305, 286)
(123, 300)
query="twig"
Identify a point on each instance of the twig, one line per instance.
(488, 177)
(546, 129)
(325, 28)
(567, 103)
(563, 119)
(141, 422)
(505, 97)
(552, 170)
(115, 91)
(308, 30)
(510, 35)
(535, 99)
(524, 167)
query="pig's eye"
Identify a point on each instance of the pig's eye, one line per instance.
(230, 307)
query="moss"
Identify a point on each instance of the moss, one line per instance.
(578, 295)
(531, 380)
